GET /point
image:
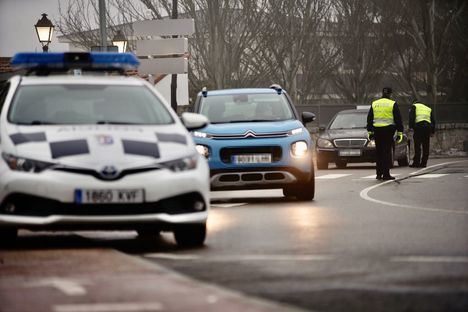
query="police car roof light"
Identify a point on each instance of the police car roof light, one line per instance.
(204, 92)
(93, 60)
(277, 87)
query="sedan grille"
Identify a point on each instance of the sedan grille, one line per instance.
(350, 142)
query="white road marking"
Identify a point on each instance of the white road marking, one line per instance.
(364, 194)
(228, 205)
(109, 307)
(466, 176)
(333, 176)
(231, 258)
(430, 176)
(68, 287)
(429, 259)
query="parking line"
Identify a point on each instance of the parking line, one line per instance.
(333, 176)
(430, 259)
(109, 307)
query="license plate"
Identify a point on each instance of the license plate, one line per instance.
(122, 196)
(252, 159)
(350, 152)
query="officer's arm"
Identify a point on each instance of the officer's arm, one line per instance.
(370, 120)
(397, 118)
(412, 117)
(433, 123)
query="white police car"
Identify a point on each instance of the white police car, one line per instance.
(97, 152)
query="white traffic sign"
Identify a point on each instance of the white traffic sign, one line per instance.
(162, 46)
(169, 65)
(181, 27)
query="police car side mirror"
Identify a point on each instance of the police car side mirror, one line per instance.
(194, 121)
(307, 117)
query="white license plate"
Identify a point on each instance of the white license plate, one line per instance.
(350, 152)
(122, 196)
(252, 159)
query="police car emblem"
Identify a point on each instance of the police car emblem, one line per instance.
(109, 172)
(104, 139)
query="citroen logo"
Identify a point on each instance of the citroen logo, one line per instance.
(249, 134)
(109, 172)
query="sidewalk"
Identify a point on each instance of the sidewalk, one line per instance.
(106, 280)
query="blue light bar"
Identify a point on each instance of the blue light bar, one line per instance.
(93, 60)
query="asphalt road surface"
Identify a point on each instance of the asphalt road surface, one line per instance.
(361, 245)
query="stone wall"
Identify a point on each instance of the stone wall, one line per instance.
(450, 139)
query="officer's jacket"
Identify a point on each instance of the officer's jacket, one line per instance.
(384, 112)
(422, 115)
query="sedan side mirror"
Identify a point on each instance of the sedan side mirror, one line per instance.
(194, 121)
(307, 117)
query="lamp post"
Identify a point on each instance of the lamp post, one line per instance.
(44, 30)
(120, 41)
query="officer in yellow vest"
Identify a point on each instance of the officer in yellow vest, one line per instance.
(422, 122)
(383, 120)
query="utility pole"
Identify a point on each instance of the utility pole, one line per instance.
(174, 76)
(102, 24)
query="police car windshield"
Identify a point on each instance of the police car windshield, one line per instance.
(254, 107)
(349, 121)
(87, 104)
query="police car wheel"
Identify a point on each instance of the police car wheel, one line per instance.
(8, 236)
(190, 235)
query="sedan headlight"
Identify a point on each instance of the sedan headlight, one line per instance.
(203, 150)
(299, 148)
(181, 164)
(371, 144)
(25, 164)
(324, 143)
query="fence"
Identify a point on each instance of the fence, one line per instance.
(444, 113)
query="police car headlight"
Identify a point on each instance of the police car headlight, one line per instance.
(324, 143)
(299, 148)
(25, 164)
(371, 144)
(203, 150)
(181, 164)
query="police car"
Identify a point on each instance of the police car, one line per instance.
(97, 151)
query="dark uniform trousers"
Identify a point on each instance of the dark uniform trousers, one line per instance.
(421, 137)
(383, 147)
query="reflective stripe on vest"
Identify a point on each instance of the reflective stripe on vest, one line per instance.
(423, 113)
(383, 112)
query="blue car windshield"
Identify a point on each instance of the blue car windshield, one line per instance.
(349, 121)
(246, 108)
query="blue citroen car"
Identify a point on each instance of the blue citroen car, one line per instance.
(256, 140)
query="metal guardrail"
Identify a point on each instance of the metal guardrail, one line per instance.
(444, 113)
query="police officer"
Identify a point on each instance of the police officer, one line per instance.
(421, 121)
(383, 120)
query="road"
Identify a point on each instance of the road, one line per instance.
(361, 245)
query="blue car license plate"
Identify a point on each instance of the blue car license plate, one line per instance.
(252, 159)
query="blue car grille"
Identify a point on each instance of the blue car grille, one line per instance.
(249, 135)
(226, 153)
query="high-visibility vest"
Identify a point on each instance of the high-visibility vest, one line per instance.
(423, 113)
(383, 112)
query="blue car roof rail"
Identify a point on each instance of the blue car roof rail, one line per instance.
(47, 63)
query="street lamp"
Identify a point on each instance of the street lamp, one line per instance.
(44, 30)
(120, 41)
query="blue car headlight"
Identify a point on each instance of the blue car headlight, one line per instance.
(181, 164)
(25, 164)
(299, 148)
(203, 150)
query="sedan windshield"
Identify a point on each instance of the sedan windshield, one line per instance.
(87, 104)
(349, 121)
(246, 108)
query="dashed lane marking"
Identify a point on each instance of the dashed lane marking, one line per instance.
(430, 176)
(430, 259)
(235, 258)
(68, 287)
(365, 193)
(333, 176)
(110, 307)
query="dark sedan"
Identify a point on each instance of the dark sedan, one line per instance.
(345, 141)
